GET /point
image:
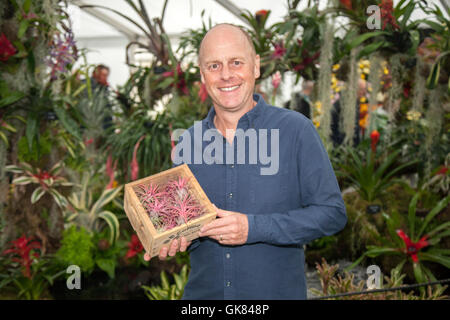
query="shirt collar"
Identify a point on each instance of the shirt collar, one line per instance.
(248, 119)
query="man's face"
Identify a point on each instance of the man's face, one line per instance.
(101, 75)
(228, 68)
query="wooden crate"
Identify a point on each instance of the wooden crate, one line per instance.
(151, 239)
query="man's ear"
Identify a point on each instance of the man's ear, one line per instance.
(202, 78)
(257, 66)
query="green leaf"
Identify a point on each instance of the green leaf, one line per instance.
(164, 280)
(360, 39)
(107, 265)
(107, 196)
(433, 78)
(11, 98)
(23, 180)
(37, 194)
(441, 205)
(31, 130)
(113, 224)
(23, 27)
(68, 123)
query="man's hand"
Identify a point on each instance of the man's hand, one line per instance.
(231, 228)
(175, 246)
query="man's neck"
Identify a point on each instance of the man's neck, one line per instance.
(226, 122)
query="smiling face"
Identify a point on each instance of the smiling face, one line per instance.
(228, 68)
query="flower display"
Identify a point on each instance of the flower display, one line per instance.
(387, 10)
(169, 205)
(23, 251)
(63, 52)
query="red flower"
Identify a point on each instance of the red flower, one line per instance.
(374, 136)
(181, 83)
(6, 48)
(262, 13)
(203, 93)
(279, 51)
(387, 8)
(110, 171)
(412, 248)
(134, 163)
(442, 171)
(22, 247)
(346, 3)
(135, 247)
(261, 16)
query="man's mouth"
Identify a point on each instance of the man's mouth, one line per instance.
(228, 89)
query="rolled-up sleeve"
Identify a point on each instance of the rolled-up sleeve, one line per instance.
(322, 212)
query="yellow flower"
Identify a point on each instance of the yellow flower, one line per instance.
(316, 123)
(363, 107)
(336, 67)
(363, 76)
(362, 99)
(115, 183)
(413, 115)
(386, 70)
(366, 70)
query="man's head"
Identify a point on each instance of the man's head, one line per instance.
(100, 74)
(229, 67)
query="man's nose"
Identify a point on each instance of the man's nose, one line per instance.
(226, 72)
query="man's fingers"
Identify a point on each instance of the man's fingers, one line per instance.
(216, 224)
(173, 247)
(163, 253)
(217, 231)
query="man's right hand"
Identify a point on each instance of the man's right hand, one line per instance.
(175, 246)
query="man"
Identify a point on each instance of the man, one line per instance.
(100, 87)
(254, 249)
(302, 100)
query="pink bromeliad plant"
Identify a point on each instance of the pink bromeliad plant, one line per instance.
(170, 205)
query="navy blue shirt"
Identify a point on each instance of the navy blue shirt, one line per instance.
(286, 210)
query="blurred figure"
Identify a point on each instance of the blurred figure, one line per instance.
(302, 100)
(100, 87)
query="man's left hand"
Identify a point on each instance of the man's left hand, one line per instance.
(230, 229)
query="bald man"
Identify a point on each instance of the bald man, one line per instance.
(254, 249)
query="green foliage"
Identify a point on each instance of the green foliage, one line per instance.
(77, 248)
(372, 176)
(84, 211)
(167, 290)
(333, 284)
(419, 229)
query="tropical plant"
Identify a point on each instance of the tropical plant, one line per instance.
(333, 283)
(422, 233)
(27, 272)
(371, 177)
(48, 181)
(83, 211)
(168, 291)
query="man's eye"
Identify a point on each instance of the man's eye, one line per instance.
(214, 66)
(237, 63)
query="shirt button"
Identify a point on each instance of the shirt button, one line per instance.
(228, 255)
(232, 166)
(230, 195)
(228, 284)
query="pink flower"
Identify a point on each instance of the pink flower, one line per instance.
(276, 79)
(279, 51)
(110, 171)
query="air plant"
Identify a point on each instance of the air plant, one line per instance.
(169, 205)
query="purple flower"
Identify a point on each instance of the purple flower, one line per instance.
(63, 52)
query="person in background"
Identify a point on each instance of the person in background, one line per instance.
(303, 99)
